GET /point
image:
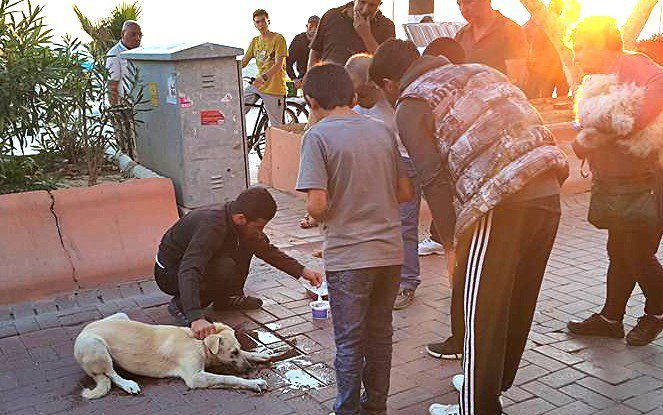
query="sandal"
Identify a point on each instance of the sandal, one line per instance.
(307, 222)
(175, 310)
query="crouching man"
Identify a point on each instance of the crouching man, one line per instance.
(204, 258)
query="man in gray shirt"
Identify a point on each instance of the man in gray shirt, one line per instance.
(351, 171)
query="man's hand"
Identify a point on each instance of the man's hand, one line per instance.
(298, 83)
(314, 277)
(202, 328)
(362, 25)
(258, 82)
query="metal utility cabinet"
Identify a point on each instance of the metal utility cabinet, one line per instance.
(194, 131)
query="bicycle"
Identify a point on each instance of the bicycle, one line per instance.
(291, 114)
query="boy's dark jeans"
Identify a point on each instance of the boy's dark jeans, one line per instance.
(361, 305)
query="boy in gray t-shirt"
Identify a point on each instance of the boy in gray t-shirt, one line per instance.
(350, 168)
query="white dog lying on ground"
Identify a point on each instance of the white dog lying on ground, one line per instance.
(608, 110)
(160, 352)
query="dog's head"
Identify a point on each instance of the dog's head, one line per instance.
(225, 349)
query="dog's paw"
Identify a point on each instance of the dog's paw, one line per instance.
(276, 355)
(258, 385)
(129, 386)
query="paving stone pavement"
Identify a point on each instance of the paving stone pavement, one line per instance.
(559, 374)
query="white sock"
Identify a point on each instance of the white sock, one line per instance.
(608, 320)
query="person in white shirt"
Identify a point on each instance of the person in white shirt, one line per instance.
(372, 103)
(116, 65)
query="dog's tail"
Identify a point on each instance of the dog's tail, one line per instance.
(102, 388)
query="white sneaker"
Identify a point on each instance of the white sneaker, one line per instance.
(457, 382)
(437, 409)
(429, 247)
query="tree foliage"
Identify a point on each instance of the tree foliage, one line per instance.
(53, 96)
(107, 31)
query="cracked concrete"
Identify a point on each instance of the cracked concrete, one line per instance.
(66, 251)
(81, 238)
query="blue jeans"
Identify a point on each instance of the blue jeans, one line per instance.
(361, 305)
(410, 229)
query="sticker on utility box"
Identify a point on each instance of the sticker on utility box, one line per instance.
(185, 102)
(172, 89)
(212, 117)
(154, 93)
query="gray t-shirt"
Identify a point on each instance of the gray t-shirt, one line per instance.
(356, 160)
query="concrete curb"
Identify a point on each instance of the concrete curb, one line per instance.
(33, 261)
(69, 239)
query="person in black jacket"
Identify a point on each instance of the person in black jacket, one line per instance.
(299, 50)
(204, 258)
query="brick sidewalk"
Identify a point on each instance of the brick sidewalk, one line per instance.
(559, 374)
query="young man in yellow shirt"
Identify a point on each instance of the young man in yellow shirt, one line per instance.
(270, 51)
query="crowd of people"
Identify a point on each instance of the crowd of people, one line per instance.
(388, 125)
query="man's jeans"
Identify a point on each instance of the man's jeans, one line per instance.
(410, 230)
(361, 305)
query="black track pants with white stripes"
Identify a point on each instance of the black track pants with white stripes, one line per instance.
(503, 260)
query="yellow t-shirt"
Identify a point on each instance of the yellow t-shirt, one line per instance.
(265, 51)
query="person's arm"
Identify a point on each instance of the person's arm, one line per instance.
(362, 26)
(114, 68)
(317, 203)
(652, 104)
(264, 250)
(405, 191)
(314, 57)
(248, 55)
(416, 127)
(516, 56)
(567, 132)
(312, 177)
(283, 262)
(564, 132)
(291, 60)
(113, 92)
(280, 53)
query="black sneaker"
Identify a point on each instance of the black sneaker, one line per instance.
(448, 349)
(175, 310)
(646, 331)
(238, 302)
(404, 299)
(595, 325)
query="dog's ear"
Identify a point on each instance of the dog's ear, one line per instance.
(213, 342)
(219, 327)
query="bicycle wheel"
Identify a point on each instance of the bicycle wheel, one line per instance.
(290, 116)
(259, 146)
(298, 109)
(259, 142)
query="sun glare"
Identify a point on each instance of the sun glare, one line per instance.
(619, 9)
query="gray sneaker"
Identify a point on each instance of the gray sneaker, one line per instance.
(404, 299)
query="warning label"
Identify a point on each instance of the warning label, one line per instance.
(212, 117)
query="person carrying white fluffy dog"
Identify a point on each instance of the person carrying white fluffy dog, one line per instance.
(621, 135)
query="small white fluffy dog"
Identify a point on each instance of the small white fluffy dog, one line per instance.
(160, 352)
(607, 111)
